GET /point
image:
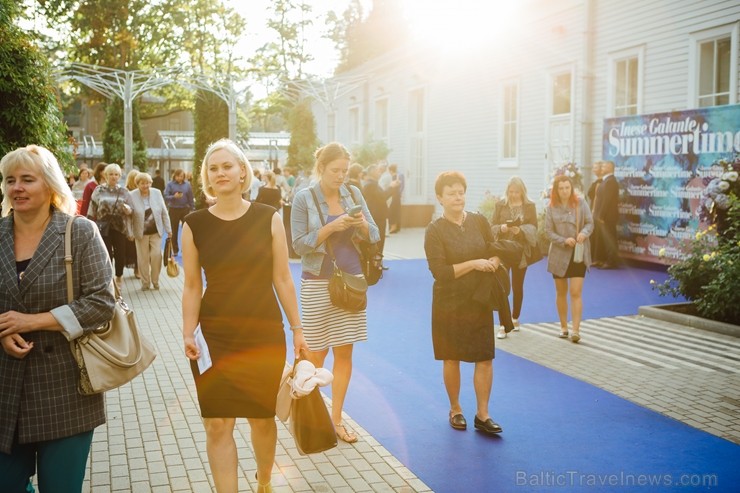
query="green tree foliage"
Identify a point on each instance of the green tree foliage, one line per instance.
(29, 108)
(123, 34)
(360, 39)
(113, 142)
(370, 152)
(211, 124)
(303, 140)
(281, 60)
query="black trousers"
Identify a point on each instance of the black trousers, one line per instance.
(176, 216)
(608, 242)
(116, 241)
(517, 289)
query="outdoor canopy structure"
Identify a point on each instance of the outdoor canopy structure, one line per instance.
(326, 91)
(130, 84)
(124, 84)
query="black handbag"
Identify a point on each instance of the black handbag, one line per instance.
(167, 252)
(346, 291)
(370, 257)
(310, 424)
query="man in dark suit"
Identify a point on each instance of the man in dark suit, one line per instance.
(158, 181)
(606, 216)
(377, 199)
(597, 251)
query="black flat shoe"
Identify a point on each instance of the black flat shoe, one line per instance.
(458, 422)
(489, 426)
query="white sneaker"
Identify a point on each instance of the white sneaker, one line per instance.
(516, 324)
(501, 333)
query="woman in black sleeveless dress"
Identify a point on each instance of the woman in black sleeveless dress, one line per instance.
(241, 247)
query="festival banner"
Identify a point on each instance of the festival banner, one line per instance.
(663, 162)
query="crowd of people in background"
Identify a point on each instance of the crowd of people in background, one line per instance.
(261, 218)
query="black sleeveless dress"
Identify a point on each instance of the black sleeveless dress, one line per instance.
(239, 315)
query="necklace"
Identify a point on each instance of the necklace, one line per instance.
(464, 215)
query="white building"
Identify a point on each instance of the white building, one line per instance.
(536, 97)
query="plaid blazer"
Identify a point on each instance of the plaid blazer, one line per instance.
(38, 394)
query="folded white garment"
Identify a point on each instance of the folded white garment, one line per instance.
(307, 377)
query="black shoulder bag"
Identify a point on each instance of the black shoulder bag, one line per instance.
(370, 256)
(346, 291)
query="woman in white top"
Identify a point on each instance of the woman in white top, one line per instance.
(151, 220)
(79, 186)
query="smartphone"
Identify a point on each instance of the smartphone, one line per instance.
(355, 210)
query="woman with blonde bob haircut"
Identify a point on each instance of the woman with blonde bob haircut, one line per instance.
(241, 247)
(46, 425)
(238, 155)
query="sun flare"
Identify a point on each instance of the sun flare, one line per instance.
(459, 25)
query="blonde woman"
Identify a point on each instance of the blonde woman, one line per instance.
(150, 221)
(329, 327)
(46, 425)
(270, 194)
(110, 208)
(241, 247)
(515, 218)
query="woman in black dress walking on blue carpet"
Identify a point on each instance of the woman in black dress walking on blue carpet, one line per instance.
(241, 247)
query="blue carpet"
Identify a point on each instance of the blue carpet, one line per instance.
(560, 434)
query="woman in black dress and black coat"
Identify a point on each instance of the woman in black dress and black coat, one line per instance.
(462, 257)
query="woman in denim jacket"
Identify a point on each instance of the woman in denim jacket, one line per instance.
(325, 325)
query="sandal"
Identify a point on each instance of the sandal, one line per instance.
(575, 337)
(344, 436)
(263, 488)
(563, 333)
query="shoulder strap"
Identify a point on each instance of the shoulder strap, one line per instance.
(68, 259)
(351, 194)
(68, 263)
(323, 223)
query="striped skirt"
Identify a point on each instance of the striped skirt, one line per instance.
(325, 325)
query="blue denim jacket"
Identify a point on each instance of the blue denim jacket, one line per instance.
(305, 224)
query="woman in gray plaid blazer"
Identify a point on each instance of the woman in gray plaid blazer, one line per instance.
(45, 424)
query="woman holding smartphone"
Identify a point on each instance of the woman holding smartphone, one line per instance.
(515, 218)
(331, 212)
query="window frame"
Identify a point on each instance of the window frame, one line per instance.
(355, 130)
(696, 39)
(623, 56)
(509, 161)
(384, 132)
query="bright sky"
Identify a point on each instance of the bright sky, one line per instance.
(449, 24)
(257, 12)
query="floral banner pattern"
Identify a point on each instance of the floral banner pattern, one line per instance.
(664, 162)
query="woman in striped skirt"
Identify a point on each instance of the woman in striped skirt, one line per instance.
(326, 326)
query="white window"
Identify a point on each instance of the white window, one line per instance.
(510, 123)
(562, 85)
(625, 82)
(381, 119)
(714, 54)
(354, 125)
